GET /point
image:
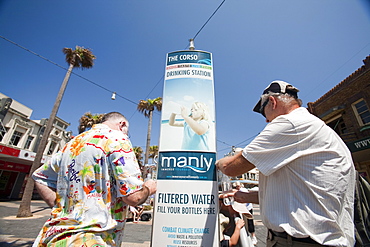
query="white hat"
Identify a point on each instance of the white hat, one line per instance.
(277, 87)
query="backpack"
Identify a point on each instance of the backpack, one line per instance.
(362, 212)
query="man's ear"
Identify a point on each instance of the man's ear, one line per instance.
(273, 102)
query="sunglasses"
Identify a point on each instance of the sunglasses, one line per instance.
(262, 109)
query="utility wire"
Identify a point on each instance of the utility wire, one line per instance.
(160, 80)
(236, 145)
(319, 84)
(209, 19)
(48, 60)
(252, 137)
(96, 84)
(306, 94)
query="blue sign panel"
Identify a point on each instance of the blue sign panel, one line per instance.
(182, 165)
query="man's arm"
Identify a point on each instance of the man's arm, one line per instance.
(245, 197)
(234, 165)
(47, 193)
(236, 235)
(140, 196)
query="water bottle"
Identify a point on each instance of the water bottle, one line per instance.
(226, 187)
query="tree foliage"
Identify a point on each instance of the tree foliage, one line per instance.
(153, 152)
(80, 57)
(147, 107)
(139, 155)
(88, 120)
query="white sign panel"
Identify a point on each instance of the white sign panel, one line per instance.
(186, 202)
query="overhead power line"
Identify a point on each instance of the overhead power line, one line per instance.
(193, 39)
(209, 19)
(60, 66)
(96, 84)
(162, 78)
(108, 90)
(320, 84)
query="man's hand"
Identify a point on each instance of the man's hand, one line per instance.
(227, 194)
(234, 165)
(152, 186)
(140, 196)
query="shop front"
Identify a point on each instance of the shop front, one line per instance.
(12, 177)
(360, 150)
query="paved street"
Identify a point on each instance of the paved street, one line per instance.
(16, 232)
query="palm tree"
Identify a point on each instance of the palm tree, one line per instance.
(147, 107)
(139, 156)
(153, 152)
(88, 120)
(80, 57)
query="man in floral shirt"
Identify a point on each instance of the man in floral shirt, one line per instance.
(90, 184)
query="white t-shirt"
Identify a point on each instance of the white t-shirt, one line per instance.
(306, 182)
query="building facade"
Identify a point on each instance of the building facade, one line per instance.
(345, 108)
(19, 140)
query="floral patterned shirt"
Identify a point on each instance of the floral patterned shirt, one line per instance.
(91, 174)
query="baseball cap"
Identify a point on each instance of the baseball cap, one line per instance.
(277, 87)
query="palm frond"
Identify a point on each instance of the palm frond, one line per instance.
(88, 120)
(80, 57)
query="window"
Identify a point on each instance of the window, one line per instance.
(60, 124)
(2, 132)
(362, 112)
(16, 138)
(52, 146)
(28, 142)
(338, 126)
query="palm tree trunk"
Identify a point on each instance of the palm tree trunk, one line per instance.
(147, 149)
(25, 206)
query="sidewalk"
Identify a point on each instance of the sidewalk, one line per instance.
(17, 232)
(21, 231)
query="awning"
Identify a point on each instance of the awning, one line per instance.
(359, 145)
(332, 112)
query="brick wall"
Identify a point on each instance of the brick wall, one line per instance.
(339, 100)
(351, 89)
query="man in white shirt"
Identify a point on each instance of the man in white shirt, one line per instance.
(306, 182)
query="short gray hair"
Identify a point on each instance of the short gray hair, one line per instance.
(112, 116)
(283, 97)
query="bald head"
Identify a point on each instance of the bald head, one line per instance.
(112, 116)
(116, 121)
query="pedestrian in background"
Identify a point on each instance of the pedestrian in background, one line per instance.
(307, 176)
(229, 227)
(90, 184)
(248, 219)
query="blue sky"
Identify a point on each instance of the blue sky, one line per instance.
(313, 45)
